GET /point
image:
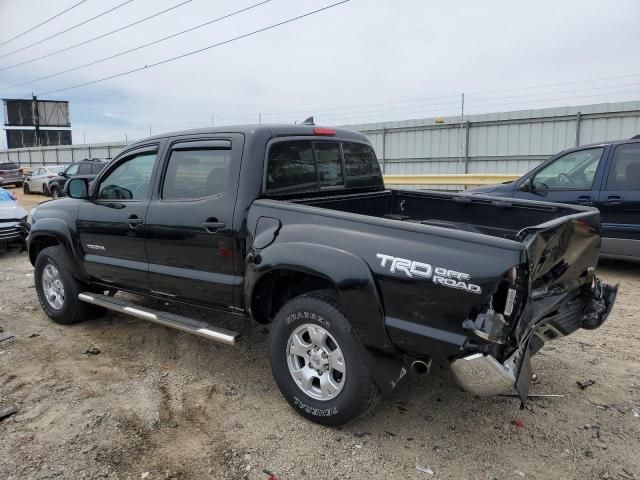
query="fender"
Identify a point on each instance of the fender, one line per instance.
(58, 229)
(359, 296)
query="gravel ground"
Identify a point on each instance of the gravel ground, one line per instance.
(160, 404)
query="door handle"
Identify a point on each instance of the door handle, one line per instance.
(614, 200)
(133, 221)
(212, 225)
(585, 200)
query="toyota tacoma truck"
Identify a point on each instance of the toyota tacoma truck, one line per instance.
(292, 226)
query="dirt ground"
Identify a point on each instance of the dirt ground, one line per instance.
(160, 404)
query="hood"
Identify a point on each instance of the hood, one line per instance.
(11, 211)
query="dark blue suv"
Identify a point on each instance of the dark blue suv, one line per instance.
(604, 175)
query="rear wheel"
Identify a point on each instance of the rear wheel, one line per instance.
(317, 363)
(58, 290)
(55, 193)
(25, 188)
(45, 190)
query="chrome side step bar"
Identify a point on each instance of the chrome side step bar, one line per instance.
(171, 320)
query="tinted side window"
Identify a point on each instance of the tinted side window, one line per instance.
(129, 180)
(84, 169)
(196, 173)
(361, 165)
(573, 171)
(625, 169)
(97, 167)
(329, 164)
(291, 167)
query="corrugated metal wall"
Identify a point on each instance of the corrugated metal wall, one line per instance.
(505, 142)
(60, 155)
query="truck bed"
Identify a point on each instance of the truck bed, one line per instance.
(503, 218)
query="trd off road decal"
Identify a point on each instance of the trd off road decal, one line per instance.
(439, 275)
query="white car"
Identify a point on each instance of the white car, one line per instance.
(37, 182)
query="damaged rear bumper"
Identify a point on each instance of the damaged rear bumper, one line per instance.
(545, 319)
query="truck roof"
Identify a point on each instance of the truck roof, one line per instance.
(273, 130)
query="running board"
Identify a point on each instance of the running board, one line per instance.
(171, 320)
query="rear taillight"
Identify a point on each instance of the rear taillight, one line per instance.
(324, 131)
(50, 176)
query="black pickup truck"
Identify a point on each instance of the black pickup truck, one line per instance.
(292, 226)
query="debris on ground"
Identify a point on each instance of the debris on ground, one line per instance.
(92, 350)
(8, 411)
(533, 396)
(144, 475)
(272, 476)
(585, 383)
(6, 336)
(518, 422)
(424, 469)
(636, 412)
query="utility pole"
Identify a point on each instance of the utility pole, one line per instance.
(36, 119)
(212, 119)
(84, 135)
(149, 130)
(259, 118)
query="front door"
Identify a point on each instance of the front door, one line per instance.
(111, 225)
(571, 178)
(619, 203)
(191, 239)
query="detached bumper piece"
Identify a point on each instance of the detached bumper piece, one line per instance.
(178, 322)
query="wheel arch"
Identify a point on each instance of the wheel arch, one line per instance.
(319, 267)
(49, 232)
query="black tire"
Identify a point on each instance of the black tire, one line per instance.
(55, 193)
(72, 309)
(25, 188)
(45, 190)
(359, 390)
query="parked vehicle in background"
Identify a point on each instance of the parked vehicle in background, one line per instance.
(292, 226)
(604, 175)
(13, 222)
(10, 174)
(87, 168)
(38, 181)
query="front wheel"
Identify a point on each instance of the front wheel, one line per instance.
(58, 290)
(317, 363)
(25, 188)
(55, 193)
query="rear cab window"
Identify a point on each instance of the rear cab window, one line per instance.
(306, 166)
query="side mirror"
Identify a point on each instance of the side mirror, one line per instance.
(77, 188)
(527, 186)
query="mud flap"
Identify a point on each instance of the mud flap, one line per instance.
(523, 382)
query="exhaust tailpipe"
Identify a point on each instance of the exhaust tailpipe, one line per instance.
(421, 367)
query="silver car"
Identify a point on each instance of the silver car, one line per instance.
(37, 182)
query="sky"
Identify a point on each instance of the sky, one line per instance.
(358, 62)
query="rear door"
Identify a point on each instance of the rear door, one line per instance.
(111, 226)
(192, 243)
(574, 177)
(619, 202)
